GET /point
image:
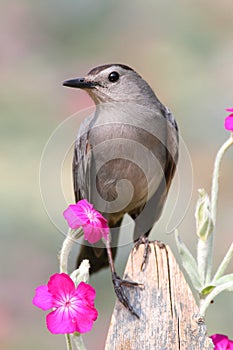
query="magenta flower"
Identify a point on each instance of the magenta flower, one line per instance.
(73, 308)
(229, 120)
(94, 225)
(221, 342)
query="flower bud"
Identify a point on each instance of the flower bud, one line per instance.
(204, 223)
(82, 273)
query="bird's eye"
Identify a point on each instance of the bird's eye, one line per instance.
(113, 77)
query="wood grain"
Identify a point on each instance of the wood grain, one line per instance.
(168, 312)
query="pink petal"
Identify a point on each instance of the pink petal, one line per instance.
(86, 319)
(96, 229)
(61, 286)
(230, 345)
(79, 316)
(229, 122)
(73, 218)
(101, 219)
(42, 298)
(84, 204)
(86, 313)
(92, 234)
(83, 207)
(220, 341)
(87, 292)
(60, 321)
(105, 232)
(229, 109)
(76, 214)
(83, 214)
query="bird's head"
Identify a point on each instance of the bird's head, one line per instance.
(114, 83)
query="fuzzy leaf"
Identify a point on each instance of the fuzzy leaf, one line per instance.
(188, 263)
(213, 294)
(223, 280)
(78, 341)
(225, 262)
(204, 224)
(82, 273)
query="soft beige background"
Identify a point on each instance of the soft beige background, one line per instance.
(184, 49)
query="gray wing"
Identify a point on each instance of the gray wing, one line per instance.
(172, 146)
(82, 162)
(153, 208)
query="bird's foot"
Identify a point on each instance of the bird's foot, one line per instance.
(147, 249)
(118, 284)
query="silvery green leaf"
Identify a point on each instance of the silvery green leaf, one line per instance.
(223, 280)
(204, 224)
(78, 341)
(225, 262)
(189, 263)
(218, 289)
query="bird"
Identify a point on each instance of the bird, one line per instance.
(125, 157)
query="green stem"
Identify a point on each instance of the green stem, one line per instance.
(68, 342)
(66, 248)
(215, 178)
(78, 341)
(214, 197)
(202, 254)
(72, 235)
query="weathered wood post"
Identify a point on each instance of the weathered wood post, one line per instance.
(168, 312)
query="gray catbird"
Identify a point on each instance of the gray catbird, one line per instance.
(124, 160)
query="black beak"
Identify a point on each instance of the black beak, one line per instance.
(80, 83)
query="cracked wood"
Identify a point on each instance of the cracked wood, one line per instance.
(168, 312)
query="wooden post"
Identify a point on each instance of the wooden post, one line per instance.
(168, 312)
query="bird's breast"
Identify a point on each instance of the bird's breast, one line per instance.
(128, 156)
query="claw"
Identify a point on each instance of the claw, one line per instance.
(147, 250)
(118, 283)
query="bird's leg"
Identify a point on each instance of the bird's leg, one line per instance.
(147, 249)
(118, 283)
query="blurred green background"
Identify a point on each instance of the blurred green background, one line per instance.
(184, 49)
